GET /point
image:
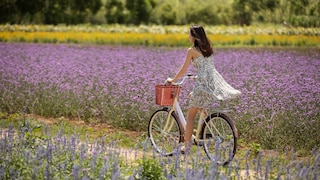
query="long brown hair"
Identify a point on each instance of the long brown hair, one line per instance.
(201, 40)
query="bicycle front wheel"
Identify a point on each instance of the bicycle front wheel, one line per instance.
(164, 131)
(219, 138)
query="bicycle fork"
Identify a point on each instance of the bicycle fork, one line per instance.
(214, 132)
(169, 123)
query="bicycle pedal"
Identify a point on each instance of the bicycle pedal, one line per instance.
(208, 136)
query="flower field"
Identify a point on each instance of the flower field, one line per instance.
(221, 36)
(279, 107)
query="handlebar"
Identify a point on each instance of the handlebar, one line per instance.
(188, 76)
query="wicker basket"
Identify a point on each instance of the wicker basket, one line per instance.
(165, 94)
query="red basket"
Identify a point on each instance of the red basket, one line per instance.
(165, 94)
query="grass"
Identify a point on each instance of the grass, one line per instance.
(125, 138)
(90, 132)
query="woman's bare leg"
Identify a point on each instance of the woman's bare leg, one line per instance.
(192, 112)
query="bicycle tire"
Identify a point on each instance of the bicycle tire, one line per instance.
(164, 135)
(220, 143)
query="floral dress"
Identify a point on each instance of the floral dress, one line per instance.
(209, 85)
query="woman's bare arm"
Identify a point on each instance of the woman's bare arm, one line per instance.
(190, 55)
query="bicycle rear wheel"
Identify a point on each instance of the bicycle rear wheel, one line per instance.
(220, 140)
(165, 132)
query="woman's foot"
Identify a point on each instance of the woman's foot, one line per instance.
(185, 149)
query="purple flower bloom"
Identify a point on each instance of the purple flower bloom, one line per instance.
(98, 82)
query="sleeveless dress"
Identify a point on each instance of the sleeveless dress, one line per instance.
(209, 85)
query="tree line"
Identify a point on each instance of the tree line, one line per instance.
(304, 13)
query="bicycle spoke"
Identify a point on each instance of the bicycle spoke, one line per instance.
(164, 132)
(219, 141)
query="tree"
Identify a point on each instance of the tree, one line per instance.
(29, 7)
(305, 13)
(94, 6)
(244, 9)
(242, 13)
(299, 7)
(140, 10)
(78, 10)
(8, 10)
(164, 14)
(115, 12)
(55, 11)
(69, 11)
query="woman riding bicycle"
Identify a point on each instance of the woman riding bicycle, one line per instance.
(209, 85)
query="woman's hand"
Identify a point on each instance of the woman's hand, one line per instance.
(169, 81)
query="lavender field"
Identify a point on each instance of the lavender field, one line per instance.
(279, 107)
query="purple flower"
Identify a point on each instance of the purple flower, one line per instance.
(96, 82)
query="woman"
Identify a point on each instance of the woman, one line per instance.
(209, 85)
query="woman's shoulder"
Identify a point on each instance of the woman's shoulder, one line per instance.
(194, 49)
(194, 52)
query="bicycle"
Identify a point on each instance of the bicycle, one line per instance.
(216, 132)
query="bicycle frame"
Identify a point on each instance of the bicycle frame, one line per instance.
(202, 119)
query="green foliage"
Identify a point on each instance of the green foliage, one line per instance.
(8, 11)
(255, 148)
(150, 170)
(140, 11)
(163, 12)
(30, 6)
(116, 12)
(70, 11)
